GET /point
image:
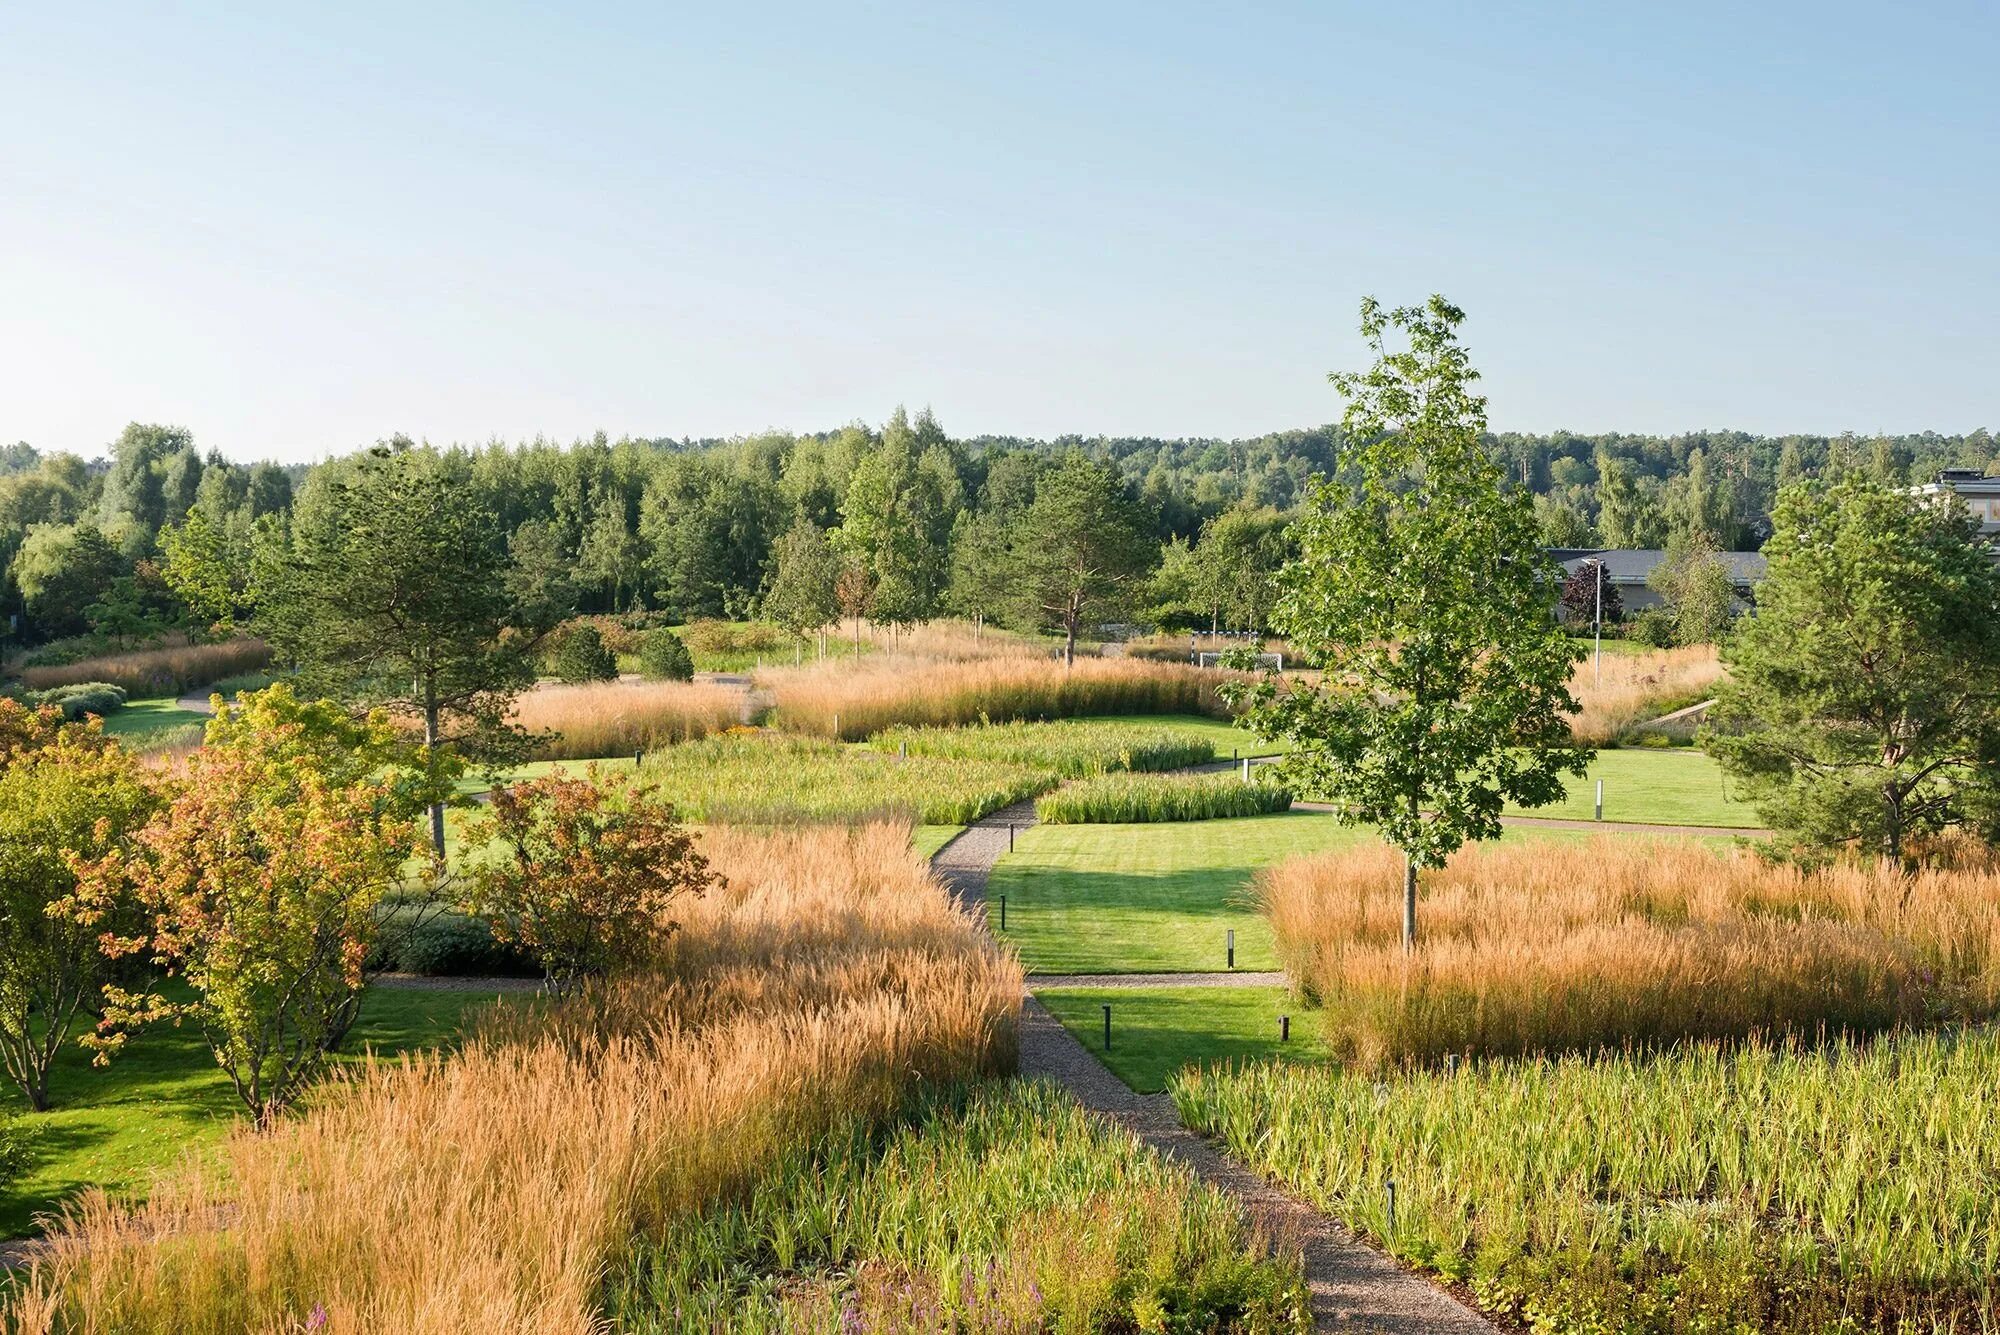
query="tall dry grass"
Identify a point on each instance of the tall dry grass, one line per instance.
(489, 1189)
(153, 672)
(1632, 688)
(1556, 947)
(951, 641)
(854, 701)
(616, 718)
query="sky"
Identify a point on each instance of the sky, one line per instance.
(298, 229)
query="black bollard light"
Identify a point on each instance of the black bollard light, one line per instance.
(1107, 1026)
(1284, 1028)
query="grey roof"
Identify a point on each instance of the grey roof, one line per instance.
(1631, 565)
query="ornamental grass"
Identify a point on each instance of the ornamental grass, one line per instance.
(1117, 799)
(618, 718)
(1632, 688)
(1069, 747)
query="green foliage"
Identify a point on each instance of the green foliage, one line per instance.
(1008, 1209)
(392, 591)
(1698, 1189)
(82, 698)
(207, 572)
(1069, 747)
(581, 656)
(1425, 595)
(1863, 704)
(449, 945)
(61, 569)
(804, 595)
(1700, 595)
(1080, 549)
(662, 656)
(769, 780)
(897, 516)
(1653, 626)
(1121, 799)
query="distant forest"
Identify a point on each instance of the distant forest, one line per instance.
(690, 527)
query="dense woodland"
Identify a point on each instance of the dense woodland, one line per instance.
(901, 522)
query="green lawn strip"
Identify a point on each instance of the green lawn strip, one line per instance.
(113, 1127)
(928, 839)
(1160, 898)
(1227, 739)
(1156, 1031)
(1664, 787)
(141, 717)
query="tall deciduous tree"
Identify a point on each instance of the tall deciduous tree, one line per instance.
(1863, 705)
(804, 596)
(1698, 588)
(393, 592)
(1081, 548)
(1425, 596)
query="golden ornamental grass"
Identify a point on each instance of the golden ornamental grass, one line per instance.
(866, 697)
(490, 1188)
(1632, 688)
(169, 670)
(616, 718)
(1548, 947)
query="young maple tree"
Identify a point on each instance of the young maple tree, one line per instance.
(1424, 593)
(257, 882)
(66, 791)
(589, 870)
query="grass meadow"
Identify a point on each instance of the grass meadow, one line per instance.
(1632, 688)
(566, 1154)
(1845, 1187)
(1071, 748)
(1553, 947)
(618, 718)
(777, 780)
(1136, 798)
(169, 671)
(855, 701)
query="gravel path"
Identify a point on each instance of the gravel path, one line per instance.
(1353, 1286)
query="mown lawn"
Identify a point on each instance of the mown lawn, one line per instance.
(141, 717)
(1157, 1031)
(1662, 787)
(113, 1127)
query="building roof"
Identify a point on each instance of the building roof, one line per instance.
(1631, 565)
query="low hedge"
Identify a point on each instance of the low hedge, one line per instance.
(1130, 799)
(449, 945)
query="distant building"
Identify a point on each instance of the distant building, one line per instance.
(1627, 568)
(1980, 493)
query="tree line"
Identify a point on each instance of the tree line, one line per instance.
(916, 521)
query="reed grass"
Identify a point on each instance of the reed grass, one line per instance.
(1124, 799)
(1011, 1210)
(1632, 688)
(769, 779)
(1844, 1187)
(618, 718)
(488, 1189)
(1067, 747)
(1618, 942)
(172, 670)
(857, 700)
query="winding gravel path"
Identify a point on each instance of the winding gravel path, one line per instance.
(1353, 1286)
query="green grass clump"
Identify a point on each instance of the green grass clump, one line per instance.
(1772, 1188)
(1125, 799)
(771, 780)
(1069, 747)
(1010, 1209)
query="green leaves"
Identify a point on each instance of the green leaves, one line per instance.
(1425, 596)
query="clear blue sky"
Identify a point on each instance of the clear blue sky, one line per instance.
(295, 232)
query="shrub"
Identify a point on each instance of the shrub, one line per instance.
(1120, 799)
(865, 699)
(581, 657)
(155, 672)
(1067, 747)
(1615, 943)
(602, 719)
(240, 684)
(85, 697)
(450, 945)
(1652, 626)
(662, 657)
(769, 779)
(592, 868)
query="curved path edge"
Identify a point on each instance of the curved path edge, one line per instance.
(1352, 1285)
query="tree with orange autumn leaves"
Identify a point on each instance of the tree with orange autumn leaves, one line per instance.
(589, 870)
(257, 883)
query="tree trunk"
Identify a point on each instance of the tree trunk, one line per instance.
(1069, 638)
(430, 743)
(1409, 903)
